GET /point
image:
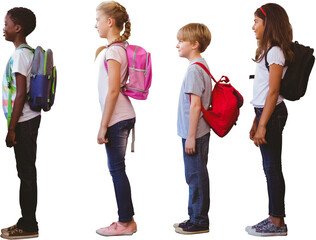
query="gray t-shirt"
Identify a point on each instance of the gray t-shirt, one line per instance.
(198, 82)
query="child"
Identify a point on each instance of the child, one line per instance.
(192, 128)
(24, 123)
(118, 116)
(273, 30)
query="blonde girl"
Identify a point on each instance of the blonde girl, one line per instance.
(118, 116)
(274, 35)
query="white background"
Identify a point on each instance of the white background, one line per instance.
(75, 188)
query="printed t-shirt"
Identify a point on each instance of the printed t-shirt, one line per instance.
(20, 62)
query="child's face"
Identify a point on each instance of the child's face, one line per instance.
(10, 28)
(184, 48)
(258, 27)
(102, 24)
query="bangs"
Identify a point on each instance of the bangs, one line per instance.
(185, 34)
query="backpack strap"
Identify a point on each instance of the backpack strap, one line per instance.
(11, 88)
(106, 65)
(9, 79)
(222, 79)
(266, 57)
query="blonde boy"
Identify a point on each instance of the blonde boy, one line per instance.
(192, 128)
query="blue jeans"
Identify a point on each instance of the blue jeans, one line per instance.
(25, 155)
(271, 156)
(196, 176)
(116, 149)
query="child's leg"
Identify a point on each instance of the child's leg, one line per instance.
(116, 148)
(25, 154)
(196, 175)
(271, 156)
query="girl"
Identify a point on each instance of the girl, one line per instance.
(118, 116)
(274, 34)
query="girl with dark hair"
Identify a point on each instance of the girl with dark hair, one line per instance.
(274, 34)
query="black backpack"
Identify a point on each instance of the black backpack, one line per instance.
(294, 83)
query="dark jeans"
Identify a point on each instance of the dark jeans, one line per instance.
(271, 156)
(196, 176)
(25, 155)
(116, 149)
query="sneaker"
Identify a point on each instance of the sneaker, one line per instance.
(17, 233)
(192, 228)
(117, 229)
(266, 228)
(9, 228)
(182, 224)
(259, 225)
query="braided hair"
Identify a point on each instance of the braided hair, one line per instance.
(116, 11)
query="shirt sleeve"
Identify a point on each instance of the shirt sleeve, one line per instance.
(276, 56)
(194, 83)
(22, 62)
(115, 53)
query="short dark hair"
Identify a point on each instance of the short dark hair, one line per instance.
(23, 17)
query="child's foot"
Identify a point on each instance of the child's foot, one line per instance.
(182, 224)
(266, 228)
(17, 233)
(117, 229)
(191, 228)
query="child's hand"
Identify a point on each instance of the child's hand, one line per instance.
(190, 146)
(10, 139)
(101, 136)
(253, 131)
(259, 137)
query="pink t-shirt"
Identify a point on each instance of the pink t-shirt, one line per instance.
(123, 109)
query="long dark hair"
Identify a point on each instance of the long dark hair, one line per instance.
(277, 31)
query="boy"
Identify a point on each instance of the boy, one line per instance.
(192, 128)
(23, 123)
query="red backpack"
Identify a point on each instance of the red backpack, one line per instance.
(225, 104)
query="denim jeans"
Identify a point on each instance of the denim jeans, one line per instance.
(116, 149)
(271, 156)
(25, 155)
(196, 176)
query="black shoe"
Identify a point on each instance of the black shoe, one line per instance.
(192, 228)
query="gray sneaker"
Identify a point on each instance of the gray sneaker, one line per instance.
(266, 228)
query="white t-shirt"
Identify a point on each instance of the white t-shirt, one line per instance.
(123, 109)
(20, 62)
(261, 81)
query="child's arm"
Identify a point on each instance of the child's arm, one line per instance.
(275, 75)
(17, 109)
(195, 111)
(111, 98)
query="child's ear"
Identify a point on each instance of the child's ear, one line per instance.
(196, 45)
(18, 28)
(111, 22)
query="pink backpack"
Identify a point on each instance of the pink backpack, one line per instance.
(139, 71)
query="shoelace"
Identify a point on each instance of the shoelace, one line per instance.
(16, 230)
(113, 226)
